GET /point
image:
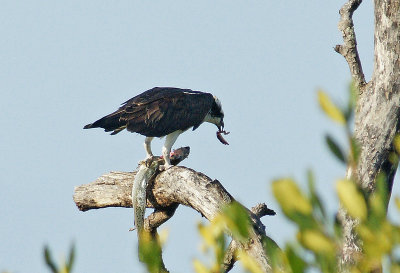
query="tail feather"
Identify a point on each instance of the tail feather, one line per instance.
(108, 123)
(88, 126)
(134, 118)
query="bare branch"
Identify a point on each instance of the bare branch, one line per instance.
(230, 257)
(159, 217)
(177, 185)
(349, 48)
(261, 210)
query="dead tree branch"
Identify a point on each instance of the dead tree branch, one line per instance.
(177, 185)
(349, 48)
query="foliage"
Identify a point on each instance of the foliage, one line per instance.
(234, 219)
(150, 251)
(65, 267)
(319, 235)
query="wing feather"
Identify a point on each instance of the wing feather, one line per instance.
(158, 112)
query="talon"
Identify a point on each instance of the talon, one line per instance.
(149, 160)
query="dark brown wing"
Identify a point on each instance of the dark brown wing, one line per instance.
(158, 112)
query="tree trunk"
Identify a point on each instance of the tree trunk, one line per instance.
(377, 111)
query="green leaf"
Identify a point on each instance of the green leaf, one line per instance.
(297, 264)
(393, 158)
(337, 228)
(237, 219)
(71, 258)
(335, 149)
(353, 94)
(49, 260)
(248, 262)
(199, 267)
(396, 144)
(214, 237)
(353, 97)
(150, 252)
(209, 233)
(397, 202)
(316, 241)
(330, 109)
(314, 197)
(352, 199)
(290, 198)
(355, 150)
(274, 253)
(379, 200)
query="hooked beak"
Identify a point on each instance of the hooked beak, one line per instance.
(221, 126)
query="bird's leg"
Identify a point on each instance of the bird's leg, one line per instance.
(166, 150)
(147, 146)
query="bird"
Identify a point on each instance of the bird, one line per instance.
(164, 112)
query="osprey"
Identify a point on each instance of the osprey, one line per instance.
(164, 111)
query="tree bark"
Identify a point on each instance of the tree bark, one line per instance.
(377, 112)
(177, 185)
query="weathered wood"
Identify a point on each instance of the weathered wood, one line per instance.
(109, 190)
(377, 118)
(349, 47)
(177, 185)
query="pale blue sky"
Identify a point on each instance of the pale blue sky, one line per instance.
(64, 64)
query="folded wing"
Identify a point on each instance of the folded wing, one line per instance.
(158, 112)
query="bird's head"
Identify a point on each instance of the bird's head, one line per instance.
(217, 114)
